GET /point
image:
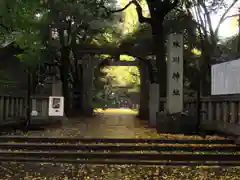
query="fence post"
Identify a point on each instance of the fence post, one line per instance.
(225, 112)
(6, 105)
(232, 112)
(204, 110)
(1, 108)
(210, 115)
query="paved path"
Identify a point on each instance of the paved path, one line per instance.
(112, 123)
(115, 124)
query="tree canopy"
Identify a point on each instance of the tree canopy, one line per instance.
(59, 32)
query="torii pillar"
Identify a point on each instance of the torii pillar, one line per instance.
(153, 102)
(88, 74)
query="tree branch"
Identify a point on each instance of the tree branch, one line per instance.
(199, 19)
(85, 27)
(61, 36)
(234, 15)
(223, 18)
(122, 9)
(201, 26)
(209, 22)
(170, 5)
(139, 10)
(69, 30)
(5, 27)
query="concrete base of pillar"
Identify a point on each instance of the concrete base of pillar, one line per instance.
(237, 140)
(153, 104)
(88, 112)
(179, 123)
(143, 114)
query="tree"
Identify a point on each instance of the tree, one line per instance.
(73, 21)
(199, 9)
(209, 39)
(158, 10)
(55, 27)
(176, 21)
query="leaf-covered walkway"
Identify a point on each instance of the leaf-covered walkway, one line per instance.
(110, 124)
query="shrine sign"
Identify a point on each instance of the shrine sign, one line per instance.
(175, 73)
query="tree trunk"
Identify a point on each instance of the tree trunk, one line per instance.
(29, 100)
(77, 86)
(206, 81)
(159, 49)
(64, 72)
(205, 70)
(34, 82)
(158, 10)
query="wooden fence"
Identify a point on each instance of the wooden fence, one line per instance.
(16, 107)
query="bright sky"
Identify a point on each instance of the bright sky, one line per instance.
(230, 26)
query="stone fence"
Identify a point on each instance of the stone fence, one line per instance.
(217, 113)
(12, 107)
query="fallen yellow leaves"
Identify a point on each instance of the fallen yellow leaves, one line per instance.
(91, 172)
(123, 125)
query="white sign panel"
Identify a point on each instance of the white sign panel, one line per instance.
(56, 106)
(175, 73)
(225, 78)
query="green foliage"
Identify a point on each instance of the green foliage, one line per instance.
(123, 75)
(31, 19)
(27, 23)
(108, 77)
(125, 57)
(21, 23)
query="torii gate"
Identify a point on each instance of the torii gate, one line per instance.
(88, 74)
(174, 101)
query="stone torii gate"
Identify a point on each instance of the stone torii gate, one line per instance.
(128, 50)
(88, 66)
(88, 73)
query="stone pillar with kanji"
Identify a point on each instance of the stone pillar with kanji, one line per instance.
(175, 74)
(172, 120)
